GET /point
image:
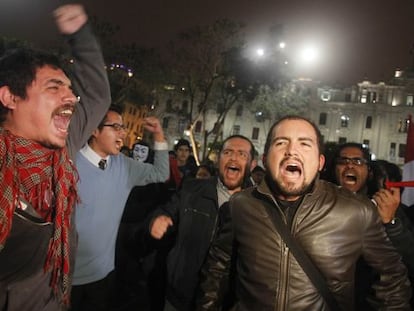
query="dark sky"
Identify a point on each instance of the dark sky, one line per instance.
(356, 39)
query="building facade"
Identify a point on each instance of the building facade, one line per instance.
(375, 114)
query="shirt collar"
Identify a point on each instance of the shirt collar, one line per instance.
(223, 194)
(92, 156)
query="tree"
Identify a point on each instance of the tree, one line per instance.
(200, 62)
(274, 103)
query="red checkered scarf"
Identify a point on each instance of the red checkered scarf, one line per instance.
(46, 178)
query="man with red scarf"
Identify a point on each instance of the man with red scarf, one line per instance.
(40, 131)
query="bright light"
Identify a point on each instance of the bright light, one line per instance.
(260, 52)
(309, 54)
(282, 45)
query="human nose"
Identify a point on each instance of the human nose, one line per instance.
(70, 97)
(291, 149)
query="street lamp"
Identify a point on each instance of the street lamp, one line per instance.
(260, 52)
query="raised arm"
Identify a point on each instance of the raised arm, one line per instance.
(87, 73)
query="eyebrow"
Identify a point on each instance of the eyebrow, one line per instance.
(289, 139)
(58, 82)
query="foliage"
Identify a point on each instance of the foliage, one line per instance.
(274, 103)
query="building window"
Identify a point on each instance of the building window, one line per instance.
(342, 140)
(184, 106)
(371, 97)
(326, 96)
(197, 127)
(165, 122)
(409, 100)
(392, 150)
(344, 121)
(255, 133)
(322, 118)
(401, 151)
(368, 122)
(169, 105)
(239, 111)
(236, 129)
(403, 125)
(364, 94)
(182, 126)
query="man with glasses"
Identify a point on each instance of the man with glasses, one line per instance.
(352, 167)
(193, 217)
(354, 171)
(105, 179)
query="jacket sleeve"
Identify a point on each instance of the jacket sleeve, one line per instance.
(141, 174)
(215, 273)
(401, 234)
(392, 289)
(90, 83)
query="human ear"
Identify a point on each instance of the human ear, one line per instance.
(7, 98)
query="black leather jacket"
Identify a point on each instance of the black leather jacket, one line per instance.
(334, 227)
(194, 211)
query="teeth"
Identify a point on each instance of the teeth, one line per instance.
(66, 112)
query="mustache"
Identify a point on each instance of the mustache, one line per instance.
(287, 158)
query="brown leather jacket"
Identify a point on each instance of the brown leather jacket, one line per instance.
(334, 227)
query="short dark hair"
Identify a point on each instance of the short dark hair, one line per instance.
(182, 142)
(18, 69)
(294, 117)
(115, 108)
(252, 149)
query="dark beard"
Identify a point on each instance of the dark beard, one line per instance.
(277, 190)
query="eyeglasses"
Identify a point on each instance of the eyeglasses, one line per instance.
(354, 161)
(228, 153)
(117, 127)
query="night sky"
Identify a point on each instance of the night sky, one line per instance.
(356, 39)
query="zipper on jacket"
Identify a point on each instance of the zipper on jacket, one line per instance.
(196, 212)
(284, 267)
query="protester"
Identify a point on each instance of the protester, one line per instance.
(40, 132)
(205, 170)
(331, 225)
(257, 175)
(185, 161)
(192, 215)
(356, 172)
(106, 178)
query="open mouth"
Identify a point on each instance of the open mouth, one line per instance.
(119, 143)
(293, 170)
(61, 118)
(232, 171)
(350, 179)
